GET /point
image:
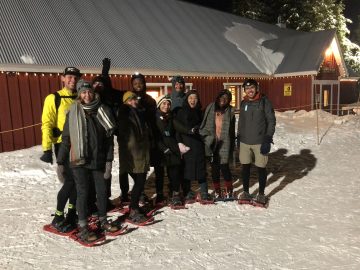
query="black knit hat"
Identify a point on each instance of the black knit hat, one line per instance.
(249, 82)
(137, 76)
(72, 71)
(178, 79)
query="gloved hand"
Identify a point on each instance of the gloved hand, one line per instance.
(108, 168)
(47, 156)
(194, 130)
(60, 171)
(266, 145)
(106, 67)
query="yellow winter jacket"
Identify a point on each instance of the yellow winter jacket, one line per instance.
(50, 120)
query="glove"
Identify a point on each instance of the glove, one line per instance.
(183, 148)
(108, 168)
(194, 130)
(266, 145)
(60, 171)
(47, 156)
(106, 66)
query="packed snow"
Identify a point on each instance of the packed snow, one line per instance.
(266, 60)
(312, 221)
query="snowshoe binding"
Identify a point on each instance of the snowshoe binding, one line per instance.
(87, 237)
(190, 197)
(137, 218)
(175, 202)
(261, 201)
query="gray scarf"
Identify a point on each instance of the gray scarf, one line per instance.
(78, 127)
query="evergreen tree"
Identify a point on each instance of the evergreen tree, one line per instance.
(306, 15)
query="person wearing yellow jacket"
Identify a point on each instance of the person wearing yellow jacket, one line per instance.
(55, 108)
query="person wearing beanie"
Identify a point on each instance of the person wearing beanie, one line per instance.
(147, 108)
(256, 128)
(177, 92)
(88, 139)
(134, 151)
(169, 148)
(53, 118)
(112, 98)
(218, 131)
(190, 115)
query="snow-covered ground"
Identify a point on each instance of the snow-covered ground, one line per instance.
(313, 221)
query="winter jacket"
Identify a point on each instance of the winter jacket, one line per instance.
(100, 146)
(133, 140)
(50, 119)
(256, 119)
(225, 145)
(195, 164)
(167, 128)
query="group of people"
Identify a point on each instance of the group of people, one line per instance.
(170, 133)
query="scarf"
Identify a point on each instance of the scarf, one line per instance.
(78, 127)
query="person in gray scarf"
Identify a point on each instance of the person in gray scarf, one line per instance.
(88, 137)
(177, 93)
(218, 131)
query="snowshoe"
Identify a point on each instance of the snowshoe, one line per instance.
(261, 201)
(204, 198)
(246, 198)
(50, 228)
(61, 226)
(137, 218)
(87, 237)
(190, 197)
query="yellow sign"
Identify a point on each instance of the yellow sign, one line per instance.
(287, 89)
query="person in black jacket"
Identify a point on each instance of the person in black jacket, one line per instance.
(190, 115)
(168, 146)
(88, 137)
(256, 128)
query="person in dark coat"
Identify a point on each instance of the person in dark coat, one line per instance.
(88, 137)
(256, 129)
(190, 115)
(218, 131)
(177, 93)
(169, 148)
(134, 150)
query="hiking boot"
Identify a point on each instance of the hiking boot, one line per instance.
(246, 196)
(58, 222)
(87, 236)
(175, 200)
(261, 199)
(205, 198)
(218, 195)
(190, 197)
(107, 226)
(137, 217)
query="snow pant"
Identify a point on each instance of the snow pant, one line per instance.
(138, 188)
(82, 181)
(68, 189)
(216, 168)
(246, 178)
(124, 184)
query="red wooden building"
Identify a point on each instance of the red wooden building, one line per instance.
(211, 49)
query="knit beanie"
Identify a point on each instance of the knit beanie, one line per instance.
(83, 85)
(161, 99)
(129, 95)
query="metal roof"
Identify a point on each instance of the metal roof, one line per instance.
(153, 35)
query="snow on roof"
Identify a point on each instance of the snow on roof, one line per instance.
(157, 35)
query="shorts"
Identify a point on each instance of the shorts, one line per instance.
(250, 153)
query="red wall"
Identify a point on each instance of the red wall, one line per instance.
(22, 98)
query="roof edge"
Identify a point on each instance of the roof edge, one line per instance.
(292, 74)
(122, 71)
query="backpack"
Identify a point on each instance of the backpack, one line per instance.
(56, 131)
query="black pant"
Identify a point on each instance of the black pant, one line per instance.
(124, 184)
(216, 167)
(81, 176)
(246, 178)
(68, 189)
(159, 179)
(138, 188)
(174, 174)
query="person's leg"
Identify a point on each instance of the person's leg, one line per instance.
(124, 186)
(174, 174)
(139, 182)
(100, 188)
(262, 180)
(225, 170)
(159, 180)
(215, 175)
(82, 187)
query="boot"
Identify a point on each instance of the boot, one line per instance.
(58, 221)
(204, 197)
(175, 200)
(246, 198)
(107, 226)
(261, 199)
(137, 217)
(70, 222)
(218, 195)
(190, 197)
(87, 236)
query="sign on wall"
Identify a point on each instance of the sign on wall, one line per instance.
(287, 89)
